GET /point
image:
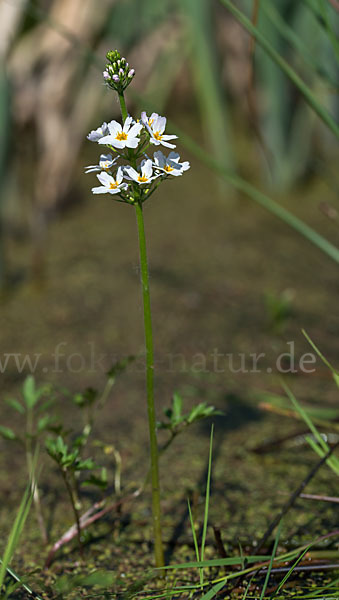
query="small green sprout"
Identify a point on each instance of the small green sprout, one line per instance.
(176, 421)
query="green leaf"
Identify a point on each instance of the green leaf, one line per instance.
(66, 583)
(120, 366)
(200, 411)
(7, 433)
(30, 393)
(44, 423)
(97, 480)
(13, 403)
(85, 465)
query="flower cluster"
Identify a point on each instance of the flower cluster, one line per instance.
(117, 74)
(138, 178)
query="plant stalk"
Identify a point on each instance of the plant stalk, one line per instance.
(75, 510)
(31, 474)
(156, 510)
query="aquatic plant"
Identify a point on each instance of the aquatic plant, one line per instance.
(133, 181)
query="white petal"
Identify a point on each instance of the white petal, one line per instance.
(169, 137)
(143, 117)
(132, 142)
(105, 179)
(107, 140)
(146, 168)
(174, 156)
(127, 124)
(106, 157)
(118, 143)
(135, 130)
(120, 175)
(167, 144)
(93, 136)
(100, 190)
(159, 158)
(159, 124)
(132, 173)
(114, 128)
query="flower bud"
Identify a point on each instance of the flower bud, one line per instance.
(117, 72)
(113, 55)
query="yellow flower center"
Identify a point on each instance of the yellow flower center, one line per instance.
(142, 179)
(105, 164)
(121, 136)
(168, 168)
(113, 186)
(157, 135)
(150, 121)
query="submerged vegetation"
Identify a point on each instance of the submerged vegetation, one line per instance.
(97, 507)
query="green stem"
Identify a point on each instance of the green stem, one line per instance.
(124, 112)
(158, 546)
(31, 474)
(75, 510)
(156, 510)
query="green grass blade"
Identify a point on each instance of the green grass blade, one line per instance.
(220, 562)
(289, 573)
(213, 591)
(247, 589)
(323, 8)
(274, 551)
(13, 539)
(209, 94)
(331, 461)
(316, 349)
(310, 98)
(207, 497)
(260, 198)
(305, 416)
(195, 540)
(291, 36)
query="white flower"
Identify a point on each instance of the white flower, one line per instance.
(109, 184)
(96, 134)
(148, 120)
(122, 137)
(144, 176)
(170, 164)
(106, 162)
(155, 126)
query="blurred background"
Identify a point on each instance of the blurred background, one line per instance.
(225, 273)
